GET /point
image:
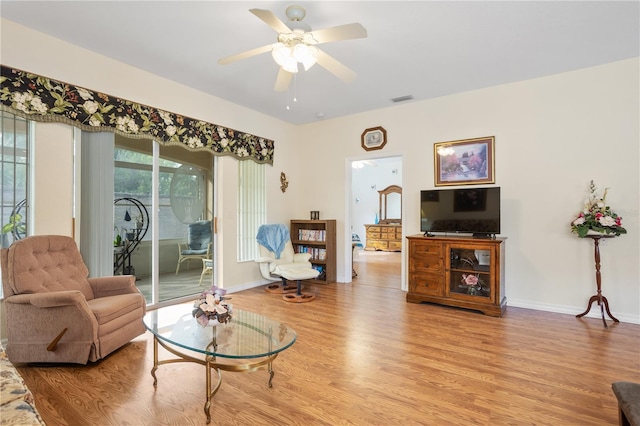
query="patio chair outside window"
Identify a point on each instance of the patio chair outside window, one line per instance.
(198, 245)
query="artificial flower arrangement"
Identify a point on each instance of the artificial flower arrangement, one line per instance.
(211, 308)
(472, 282)
(597, 216)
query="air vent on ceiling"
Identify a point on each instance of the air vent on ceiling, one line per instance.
(402, 98)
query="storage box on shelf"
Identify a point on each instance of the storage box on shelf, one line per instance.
(464, 272)
(317, 237)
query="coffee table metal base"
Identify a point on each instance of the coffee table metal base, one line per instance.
(210, 364)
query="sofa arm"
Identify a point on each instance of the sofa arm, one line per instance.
(41, 318)
(111, 286)
(628, 395)
(49, 300)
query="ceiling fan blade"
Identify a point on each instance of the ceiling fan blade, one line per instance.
(282, 81)
(341, 32)
(332, 65)
(247, 54)
(271, 20)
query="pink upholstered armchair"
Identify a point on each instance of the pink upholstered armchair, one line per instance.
(55, 313)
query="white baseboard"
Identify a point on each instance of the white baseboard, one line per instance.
(569, 310)
(247, 286)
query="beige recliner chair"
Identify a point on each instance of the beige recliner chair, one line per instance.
(272, 268)
(55, 313)
(279, 261)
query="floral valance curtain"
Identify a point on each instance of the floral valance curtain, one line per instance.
(39, 98)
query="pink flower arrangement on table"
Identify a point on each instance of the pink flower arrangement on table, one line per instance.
(211, 308)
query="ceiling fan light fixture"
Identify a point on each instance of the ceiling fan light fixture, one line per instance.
(295, 12)
(290, 65)
(296, 45)
(306, 55)
(288, 56)
(308, 63)
(301, 52)
(280, 53)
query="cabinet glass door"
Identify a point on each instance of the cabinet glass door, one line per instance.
(470, 272)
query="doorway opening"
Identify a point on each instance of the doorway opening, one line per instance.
(377, 262)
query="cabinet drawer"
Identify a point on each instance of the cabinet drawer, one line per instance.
(373, 229)
(395, 245)
(378, 245)
(426, 283)
(420, 248)
(371, 234)
(428, 262)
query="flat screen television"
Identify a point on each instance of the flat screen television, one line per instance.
(470, 211)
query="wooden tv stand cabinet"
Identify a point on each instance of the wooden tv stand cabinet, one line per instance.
(463, 272)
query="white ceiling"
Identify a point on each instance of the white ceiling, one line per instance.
(425, 49)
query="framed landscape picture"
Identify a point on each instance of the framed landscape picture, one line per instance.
(464, 162)
(373, 138)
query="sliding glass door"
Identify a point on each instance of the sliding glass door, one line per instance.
(183, 237)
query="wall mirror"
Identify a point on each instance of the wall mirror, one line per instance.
(391, 205)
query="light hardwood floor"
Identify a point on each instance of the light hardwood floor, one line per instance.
(366, 357)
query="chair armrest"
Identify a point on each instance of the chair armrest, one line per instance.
(301, 257)
(39, 317)
(111, 286)
(49, 300)
(264, 259)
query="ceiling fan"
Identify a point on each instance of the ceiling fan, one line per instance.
(297, 45)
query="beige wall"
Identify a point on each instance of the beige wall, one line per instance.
(53, 180)
(553, 135)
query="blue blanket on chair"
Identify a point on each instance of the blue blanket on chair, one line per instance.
(273, 237)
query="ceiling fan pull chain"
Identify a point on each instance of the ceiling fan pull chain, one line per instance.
(295, 87)
(288, 98)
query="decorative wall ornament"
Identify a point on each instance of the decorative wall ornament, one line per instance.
(284, 183)
(39, 98)
(373, 138)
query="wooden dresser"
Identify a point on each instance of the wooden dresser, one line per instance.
(384, 237)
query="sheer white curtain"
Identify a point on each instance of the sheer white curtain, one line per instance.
(96, 202)
(252, 207)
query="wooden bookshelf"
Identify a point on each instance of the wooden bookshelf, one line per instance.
(317, 237)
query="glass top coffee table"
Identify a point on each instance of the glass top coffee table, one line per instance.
(248, 342)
